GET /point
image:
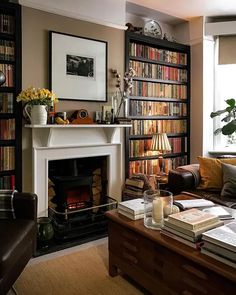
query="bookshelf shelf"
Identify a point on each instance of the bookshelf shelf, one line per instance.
(10, 111)
(159, 102)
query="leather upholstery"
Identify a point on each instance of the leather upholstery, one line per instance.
(18, 239)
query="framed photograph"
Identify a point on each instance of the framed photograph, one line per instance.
(78, 67)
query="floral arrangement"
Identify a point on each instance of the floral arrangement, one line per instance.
(37, 96)
(128, 84)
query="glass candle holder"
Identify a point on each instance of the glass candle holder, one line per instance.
(157, 206)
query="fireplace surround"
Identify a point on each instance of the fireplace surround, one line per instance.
(57, 142)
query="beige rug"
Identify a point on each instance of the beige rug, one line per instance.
(81, 272)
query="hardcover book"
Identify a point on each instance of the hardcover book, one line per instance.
(131, 216)
(218, 250)
(134, 206)
(218, 257)
(194, 203)
(224, 236)
(193, 219)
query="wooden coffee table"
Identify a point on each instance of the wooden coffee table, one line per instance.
(163, 265)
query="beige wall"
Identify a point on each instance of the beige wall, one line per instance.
(36, 25)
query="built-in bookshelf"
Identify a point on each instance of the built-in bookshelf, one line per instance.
(10, 110)
(159, 102)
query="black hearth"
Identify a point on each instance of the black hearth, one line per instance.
(77, 202)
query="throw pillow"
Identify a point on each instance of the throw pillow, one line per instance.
(210, 173)
(6, 204)
(229, 181)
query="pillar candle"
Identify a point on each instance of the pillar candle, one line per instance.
(157, 210)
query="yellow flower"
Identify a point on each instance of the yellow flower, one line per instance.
(38, 96)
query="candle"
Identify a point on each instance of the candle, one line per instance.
(157, 210)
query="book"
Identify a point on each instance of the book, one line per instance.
(193, 203)
(195, 245)
(134, 206)
(193, 219)
(131, 216)
(224, 236)
(220, 251)
(180, 234)
(134, 182)
(219, 211)
(192, 233)
(218, 257)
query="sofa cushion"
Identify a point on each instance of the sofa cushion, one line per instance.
(229, 181)
(211, 175)
(14, 242)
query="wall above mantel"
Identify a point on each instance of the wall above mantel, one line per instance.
(108, 13)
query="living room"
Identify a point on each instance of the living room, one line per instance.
(106, 22)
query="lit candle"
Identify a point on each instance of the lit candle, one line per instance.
(157, 210)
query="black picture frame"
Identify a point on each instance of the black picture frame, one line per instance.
(78, 67)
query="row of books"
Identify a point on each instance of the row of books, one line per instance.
(161, 90)
(133, 188)
(151, 108)
(142, 147)
(6, 102)
(7, 129)
(153, 167)
(6, 23)
(155, 71)
(7, 182)
(7, 158)
(140, 50)
(8, 70)
(7, 50)
(154, 126)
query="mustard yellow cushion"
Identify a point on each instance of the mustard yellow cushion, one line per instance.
(211, 175)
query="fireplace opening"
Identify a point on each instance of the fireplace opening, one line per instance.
(77, 201)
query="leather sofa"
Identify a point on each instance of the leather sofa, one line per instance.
(17, 239)
(186, 180)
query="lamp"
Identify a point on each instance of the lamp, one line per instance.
(2, 78)
(161, 144)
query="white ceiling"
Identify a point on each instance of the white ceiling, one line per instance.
(187, 9)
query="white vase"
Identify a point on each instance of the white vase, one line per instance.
(37, 113)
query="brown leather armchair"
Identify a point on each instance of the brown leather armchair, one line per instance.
(17, 239)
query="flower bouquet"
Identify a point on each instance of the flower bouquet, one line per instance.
(37, 96)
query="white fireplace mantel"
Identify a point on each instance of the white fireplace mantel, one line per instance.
(73, 134)
(57, 142)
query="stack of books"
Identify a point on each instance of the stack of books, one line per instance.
(133, 189)
(220, 243)
(188, 226)
(133, 209)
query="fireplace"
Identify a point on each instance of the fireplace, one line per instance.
(55, 143)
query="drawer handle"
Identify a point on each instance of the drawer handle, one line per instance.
(130, 257)
(130, 247)
(194, 271)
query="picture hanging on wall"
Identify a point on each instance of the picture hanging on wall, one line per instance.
(78, 67)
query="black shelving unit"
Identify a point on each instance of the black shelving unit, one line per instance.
(10, 110)
(162, 82)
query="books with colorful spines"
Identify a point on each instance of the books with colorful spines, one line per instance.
(129, 215)
(193, 219)
(218, 257)
(190, 232)
(196, 245)
(224, 236)
(218, 250)
(134, 206)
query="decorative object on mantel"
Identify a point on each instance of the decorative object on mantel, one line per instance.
(81, 117)
(128, 84)
(36, 101)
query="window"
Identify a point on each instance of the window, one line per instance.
(225, 73)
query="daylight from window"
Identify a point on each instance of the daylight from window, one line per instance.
(225, 88)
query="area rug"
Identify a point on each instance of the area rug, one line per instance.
(81, 272)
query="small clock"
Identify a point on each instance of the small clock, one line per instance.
(153, 29)
(82, 114)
